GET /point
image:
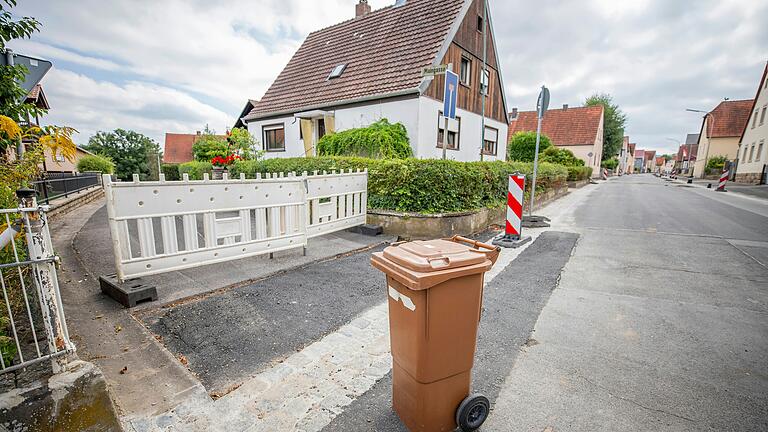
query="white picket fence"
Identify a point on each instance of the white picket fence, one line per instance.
(163, 226)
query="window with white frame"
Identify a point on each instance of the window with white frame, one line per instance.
(274, 137)
(759, 150)
(744, 154)
(58, 156)
(754, 118)
(465, 71)
(454, 131)
(490, 141)
(751, 152)
(762, 115)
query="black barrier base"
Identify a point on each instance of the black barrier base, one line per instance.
(509, 241)
(534, 221)
(127, 293)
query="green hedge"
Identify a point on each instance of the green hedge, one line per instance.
(195, 169)
(420, 185)
(95, 163)
(576, 173)
(171, 171)
(381, 139)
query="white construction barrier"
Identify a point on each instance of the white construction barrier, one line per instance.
(163, 226)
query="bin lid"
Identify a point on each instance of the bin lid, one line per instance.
(433, 255)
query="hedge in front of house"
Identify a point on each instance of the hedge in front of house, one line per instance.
(576, 173)
(95, 163)
(195, 169)
(171, 171)
(420, 185)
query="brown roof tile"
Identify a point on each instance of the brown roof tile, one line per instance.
(384, 53)
(564, 127)
(729, 118)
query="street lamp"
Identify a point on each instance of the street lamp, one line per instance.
(710, 125)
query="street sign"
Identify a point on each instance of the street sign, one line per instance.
(430, 71)
(36, 68)
(449, 95)
(543, 103)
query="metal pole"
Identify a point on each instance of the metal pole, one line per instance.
(445, 128)
(535, 166)
(482, 76)
(710, 124)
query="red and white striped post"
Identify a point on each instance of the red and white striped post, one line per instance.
(605, 174)
(723, 179)
(515, 206)
(513, 230)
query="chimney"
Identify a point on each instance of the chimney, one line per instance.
(362, 8)
(198, 133)
(565, 107)
(513, 114)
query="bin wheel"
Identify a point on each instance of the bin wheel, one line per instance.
(472, 412)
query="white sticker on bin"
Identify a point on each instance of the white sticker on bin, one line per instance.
(396, 295)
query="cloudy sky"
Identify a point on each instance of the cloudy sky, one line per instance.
(175, 66)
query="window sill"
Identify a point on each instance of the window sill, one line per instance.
(447, 148)
(275, 150)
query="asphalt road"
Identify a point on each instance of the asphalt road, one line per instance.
(660, 321)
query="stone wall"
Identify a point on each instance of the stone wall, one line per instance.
(749, 178)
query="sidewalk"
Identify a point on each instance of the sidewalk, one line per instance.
(756, 191)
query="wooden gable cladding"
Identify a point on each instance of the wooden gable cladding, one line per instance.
(468, 42)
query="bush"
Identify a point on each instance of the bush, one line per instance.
(195, 169)
(560, 156)
(420, 185)
(171, 171)
(208, 146)
(716, 163)
(379, 140)
(95, 163)
(576, 173)
(610, 164)
(522, 146)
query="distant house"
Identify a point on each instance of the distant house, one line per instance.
(178, 147)
(649, 161)
(580, 130)
(52, 163)
(631, 158)
(721, 131)
(639, 161)
(659, 165)
(626, 161)
(753, 143)
(368, 68)
(686, 154)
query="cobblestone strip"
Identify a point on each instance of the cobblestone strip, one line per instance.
(307, 390)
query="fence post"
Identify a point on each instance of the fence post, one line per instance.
(44, 275)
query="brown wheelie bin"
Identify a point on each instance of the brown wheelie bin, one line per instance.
(435, 292)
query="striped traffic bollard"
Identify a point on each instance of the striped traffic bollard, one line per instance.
(605, 174)
(512, 236)
(723, 180)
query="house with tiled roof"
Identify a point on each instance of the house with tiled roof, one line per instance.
(626, 159)
(370, 67)
(721, 131)
(639, 161)
(580, 130)
(752, 164)
(631, 158)
(178, 147)
(686, 154)
(649, 161)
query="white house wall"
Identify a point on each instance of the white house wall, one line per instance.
(294, 147)
(469, 134)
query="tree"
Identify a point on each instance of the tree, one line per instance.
(209, 145)
(522, 146)
(131, 151)
(560, 156)
(242, 143)
(613, 125)
(95, 163)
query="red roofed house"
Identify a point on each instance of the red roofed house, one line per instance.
(178, 147)
(368, 68)
(631, 158)
(626, 158)
(639, 161)
(649, 161)
(580, 130)
(720, 136)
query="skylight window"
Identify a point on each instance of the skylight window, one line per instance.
(337, 71)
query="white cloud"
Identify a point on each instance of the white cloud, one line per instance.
(90, 106)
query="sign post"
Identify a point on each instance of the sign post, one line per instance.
(541, 109)
(449, 103)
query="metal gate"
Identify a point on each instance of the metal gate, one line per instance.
(163, 226)
(32, 323)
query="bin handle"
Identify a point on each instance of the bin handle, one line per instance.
(446, 259)
(491, 252)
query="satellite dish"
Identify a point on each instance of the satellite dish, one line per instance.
(590, 154)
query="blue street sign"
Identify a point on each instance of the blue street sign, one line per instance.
(449, 96)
